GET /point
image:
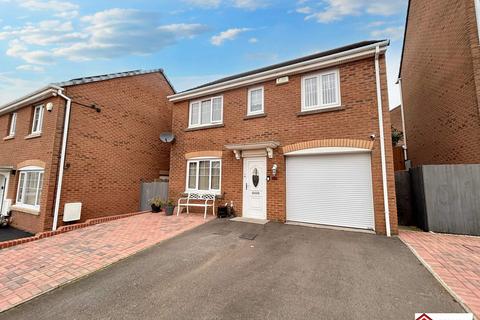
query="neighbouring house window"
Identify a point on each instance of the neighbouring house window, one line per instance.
(321, 90)
(37, 119)
(206, 112)
(13, 125)
(204, 175)
(255, 101)
(30, 188)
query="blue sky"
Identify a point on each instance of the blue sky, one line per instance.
(194, 41)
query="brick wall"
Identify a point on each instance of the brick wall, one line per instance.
(358, 121)
(440, 71)
(44, 149)
(110, 152)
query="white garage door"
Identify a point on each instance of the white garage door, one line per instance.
(330, 189)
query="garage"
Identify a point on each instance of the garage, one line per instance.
(330, 186)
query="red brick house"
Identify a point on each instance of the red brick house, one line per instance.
(440, 82)
(300, 141)
(90, 141)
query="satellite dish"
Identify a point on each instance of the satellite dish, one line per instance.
(167, 137)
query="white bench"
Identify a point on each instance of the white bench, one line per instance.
(200, 200)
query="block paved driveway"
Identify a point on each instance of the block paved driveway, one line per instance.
(30, 269)
(287, 272)
(453, 258)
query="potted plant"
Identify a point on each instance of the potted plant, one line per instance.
(156, 204)
(169, 207)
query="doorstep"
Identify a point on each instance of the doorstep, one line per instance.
(250, 220)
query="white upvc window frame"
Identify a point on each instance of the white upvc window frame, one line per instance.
(22, 184)
(320, 105)
(37, 124)
(197, 175)
(199, 118)
(477, 16)
(13, 125)
(249, 105)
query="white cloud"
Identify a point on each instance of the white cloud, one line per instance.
(30, 67)
(393, 33)
(249, 4)
(304, 10)
(334, 10)
(61, 8)
(253, 40)
(103, 35)
(241, 4)
(229, 34)
(206, 4)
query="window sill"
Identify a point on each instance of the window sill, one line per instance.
(8, 138)
(255, 116)
(33, 136)
(330, 109)
(205, 127)
(23, 209)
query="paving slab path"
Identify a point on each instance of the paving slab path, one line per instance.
(454, 259)
(33, 268)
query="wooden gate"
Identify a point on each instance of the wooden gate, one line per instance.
(398, 159)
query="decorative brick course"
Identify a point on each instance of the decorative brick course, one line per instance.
(196, 154)
(362, 144)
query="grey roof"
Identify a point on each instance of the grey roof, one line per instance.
(290, 62)
(106, 77)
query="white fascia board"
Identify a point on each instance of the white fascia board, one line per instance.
(30, 98)
(301, 67)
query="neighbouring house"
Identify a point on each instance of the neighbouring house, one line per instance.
(83, 147)
(440, 82)
(396, 120)
(300, 141)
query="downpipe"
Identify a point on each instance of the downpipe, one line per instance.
(62, 158)
(382, 142)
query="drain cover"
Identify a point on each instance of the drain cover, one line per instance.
(248, 236)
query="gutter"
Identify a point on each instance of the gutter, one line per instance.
(62, 157)
(382, 142)
(402, 112)
(305, 66)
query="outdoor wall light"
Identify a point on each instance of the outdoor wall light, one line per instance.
(49, 107)
(274, 169)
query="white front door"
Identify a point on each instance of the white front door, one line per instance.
(3, 187)
(255, 188)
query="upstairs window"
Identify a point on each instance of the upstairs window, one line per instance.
(30, 187)
(321, 90)
(255, 101)
(206, 112)
(13, 125)
(203, 175)
(37, 119)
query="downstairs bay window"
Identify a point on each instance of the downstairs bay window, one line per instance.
(29, 188)
(204, 175)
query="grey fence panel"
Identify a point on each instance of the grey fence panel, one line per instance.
(452, 198)
(150, 190)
